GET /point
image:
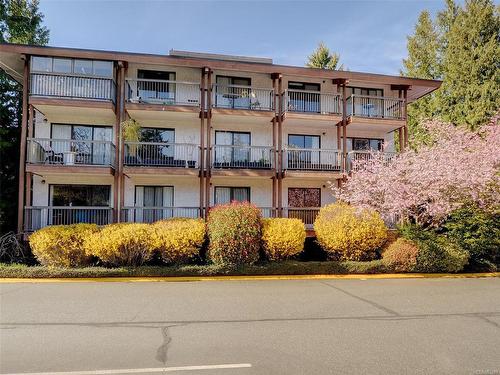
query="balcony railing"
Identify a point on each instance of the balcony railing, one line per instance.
(70, 152)
(268, 212)
(311, 102)
(306, 214)
(375, 107)
(152, 214)
(248, 157)
(243, 97)
(312, 159)
(41, 216)
(163, 92)
(355, 158)
(157, 154)
(72, 86)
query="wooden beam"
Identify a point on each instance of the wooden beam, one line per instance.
(405, 116)
(280, 145)
(275, 143)
(344, 129)
(400, 87)
(22, 146)
(340, 81)
(120, 145)
(202, 140)
(209, 138)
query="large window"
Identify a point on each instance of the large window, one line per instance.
(97, 68)
(364, 144)
(232, 92)
(155, 85)
(80, 195)
(232, 147)
(304, 141)
(365, 91)
(157, 202)
(304, 97)
(157, 154)
(224, 194)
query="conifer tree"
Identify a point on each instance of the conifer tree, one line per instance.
(324, 59)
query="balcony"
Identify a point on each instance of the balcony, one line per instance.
(306, 214)
(72, 86)
(243, 97)
(305, 159)
(41, 216)
(375, 107)
(151, 154)
(67, 152)
(354, 158)
(312, 102)
(163, 92)
(152, 214)
(242, 157)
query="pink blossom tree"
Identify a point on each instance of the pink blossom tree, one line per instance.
(451, 168)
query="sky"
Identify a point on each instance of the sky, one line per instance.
(370, 36)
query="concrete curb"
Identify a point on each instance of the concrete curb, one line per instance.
(250, 278)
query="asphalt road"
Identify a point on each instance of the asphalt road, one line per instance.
(398, 326)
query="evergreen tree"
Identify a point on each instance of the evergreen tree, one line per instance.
(20, 22)
(470, 93)
(324, 59)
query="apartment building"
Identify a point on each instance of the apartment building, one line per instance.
(211, 129)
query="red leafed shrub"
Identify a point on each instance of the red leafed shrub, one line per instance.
(234, 233)
(401, 255)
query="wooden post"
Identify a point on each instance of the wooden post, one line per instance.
(405, 98)
(280, 145)
(119, 192)
(202, 141)
(275, 144)
(209, 139)
(29, 175)
(344, 128)
(22, 146)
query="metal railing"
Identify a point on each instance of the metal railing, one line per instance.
(70, 152)
(152, 214)
(250, 157)
(158, 154)
(153, 91)
(358, 157)
(306, 214)
(243, 97)
(372, 106)
(72, 86)
(311, 102)
(37, 217)
(312, 159)
(268, 212)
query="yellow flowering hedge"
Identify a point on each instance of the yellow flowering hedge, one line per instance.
(124, 244)
(349, 233)
(178, 240)
(282, 238)
(62, 245)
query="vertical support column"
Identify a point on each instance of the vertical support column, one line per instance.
(209, 139)
(280, 145)
(401, 130)
(275, 144)
(344, 129)
(29, 175)
(203, 95)
(119, 191)
(22, 146)
(405, 101)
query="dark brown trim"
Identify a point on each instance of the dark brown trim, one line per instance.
(160, 171)
(280, 145)
(87, 103)
(202, 141)
(22, 147)
(344, 129)
(208, 162)
(242, 172)
(42, 169)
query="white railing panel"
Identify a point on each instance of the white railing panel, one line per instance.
(312, 159)
(372, 106)
(312, 102)
(163, 92)
(158, 154)
(242, 97)
(251, 157)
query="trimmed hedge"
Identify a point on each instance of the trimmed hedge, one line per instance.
(282, 238)
(123, 244)
(401, 255)
(234, 233)
(62, 245)
(179, 240)
(349, 233)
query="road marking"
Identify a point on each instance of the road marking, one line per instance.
(140, 370)
(251, 278)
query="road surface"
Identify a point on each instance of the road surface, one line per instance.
(391, 326)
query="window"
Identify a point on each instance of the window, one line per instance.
(304, 97)
(160, 199)
(103, 68)
(304, 141)
(230, 94)
(365, 91)
(304, 197)
(41, 64)
(232, 153)
(61, 65)
(80, 195)
(152, 86)
(157, 154)
(82, 67)
(306, 86)
(225, 194)
(361, 144)
(157, 135)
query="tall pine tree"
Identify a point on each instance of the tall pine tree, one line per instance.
(324, 59)
(20, 22)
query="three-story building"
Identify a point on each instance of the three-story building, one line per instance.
(212, 129)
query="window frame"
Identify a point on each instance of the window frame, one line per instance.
(304, 135)
(72, 72)
(231, 193)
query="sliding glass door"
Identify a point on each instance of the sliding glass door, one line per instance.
(156, 202)
(225, 194)
(237, 150)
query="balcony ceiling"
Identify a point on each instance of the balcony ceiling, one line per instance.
(76, 114)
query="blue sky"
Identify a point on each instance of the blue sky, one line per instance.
(369, 35)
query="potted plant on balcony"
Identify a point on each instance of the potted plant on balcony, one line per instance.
(131, 133)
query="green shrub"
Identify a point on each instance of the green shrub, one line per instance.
(62, 245)
(401, 255)
(234, 233)
(179, 240)
(282, 238)
(478, 232)
(349, 233)
(436, 253)
(124, 244)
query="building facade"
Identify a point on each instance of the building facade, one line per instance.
(111, 136)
